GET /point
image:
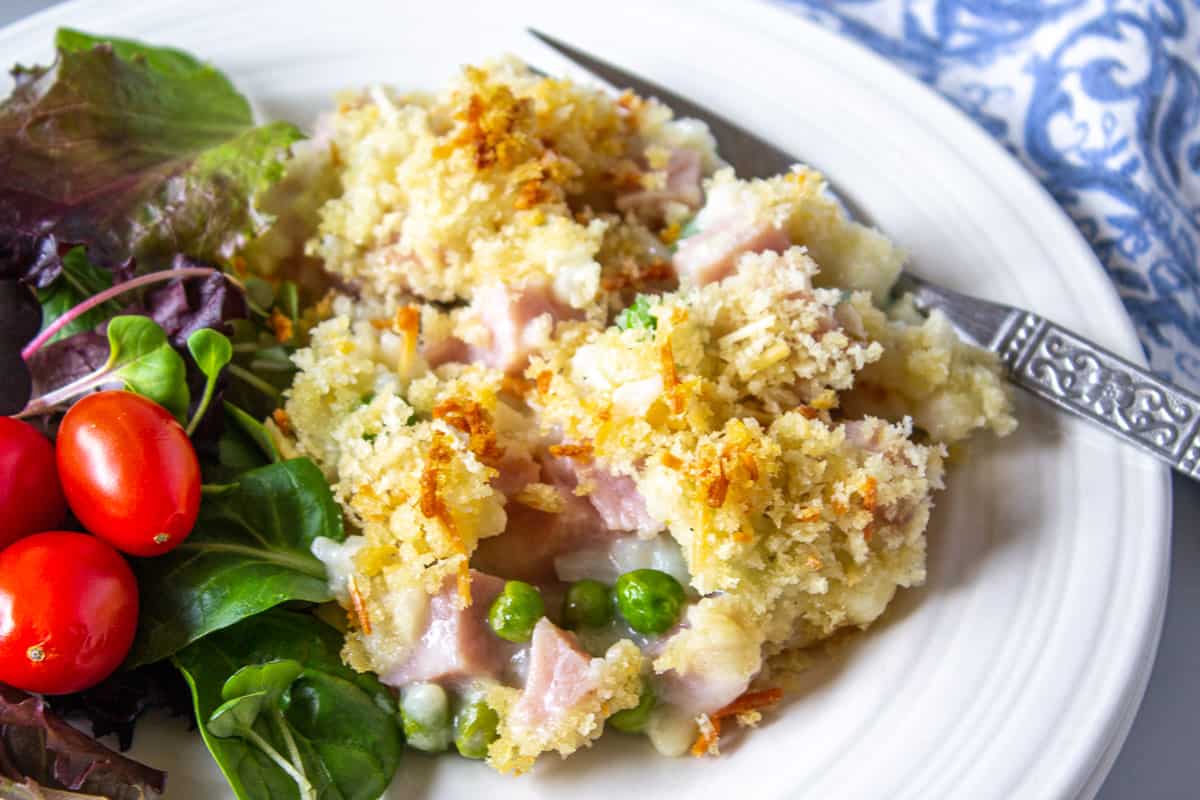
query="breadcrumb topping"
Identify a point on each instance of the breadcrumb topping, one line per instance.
(770, 417)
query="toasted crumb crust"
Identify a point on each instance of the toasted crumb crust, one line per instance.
(781, 427)
(504, 171)
(619, 682)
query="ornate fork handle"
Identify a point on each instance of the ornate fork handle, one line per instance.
(1079, 375)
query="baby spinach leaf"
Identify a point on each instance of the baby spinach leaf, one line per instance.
(253, 429)
(237, 715)
(250, 551)
(211, 351)
(251, 693)
(342, 723)
(330, 715)
(244, 445)
(140, 355)
(271, 679)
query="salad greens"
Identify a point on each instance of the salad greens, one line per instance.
(114, 705)
(78, 279)
(336, 729)
(255, 692)
(133, 150)
(38, 746)
(132, 181)
(183, 307)
(248, 552)
(140, 356)
(211, 351)
(19, 320)
(244, 445)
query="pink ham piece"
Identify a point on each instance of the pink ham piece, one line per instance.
(696, 693)
(507, 313)
(514, 474)
(457, 644)
(711, 255)
(619, 503)
(559, 679)
(445, 351)
(683, 186)
(615, 497)
(533, 539)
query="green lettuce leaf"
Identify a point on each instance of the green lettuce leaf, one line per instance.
(133, 150)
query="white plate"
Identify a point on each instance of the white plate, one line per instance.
(1017, 671)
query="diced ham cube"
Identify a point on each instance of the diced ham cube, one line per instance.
(512, 317)
(683, 186)
(619, 503)
(515, 473)
(615, 497)
(701, 693)
(457, 644)
(711, 255)
(710, 658)
(560, 678)
(533, 539)
(445, 351)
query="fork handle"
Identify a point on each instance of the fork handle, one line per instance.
(1080, 376)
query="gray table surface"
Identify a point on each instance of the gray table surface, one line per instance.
(1161, 758)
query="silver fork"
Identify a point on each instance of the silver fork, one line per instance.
(1046, 359)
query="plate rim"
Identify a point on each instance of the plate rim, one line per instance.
(776, 14)
(772, 19)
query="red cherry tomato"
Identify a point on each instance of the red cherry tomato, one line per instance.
(68, 612)
(129, 472)
(31, 499)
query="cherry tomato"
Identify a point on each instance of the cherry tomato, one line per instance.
(31, 498)
(68, 612)
(129, 472)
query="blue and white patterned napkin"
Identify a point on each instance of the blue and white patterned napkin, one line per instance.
(1100, 100)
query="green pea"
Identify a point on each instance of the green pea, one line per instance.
(515, 611)
(425, 717)
(633, 720)
(637, 315)
(587, 605)
(475, 728)
(649, 600)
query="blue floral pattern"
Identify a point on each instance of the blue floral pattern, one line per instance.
(1100, 99)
